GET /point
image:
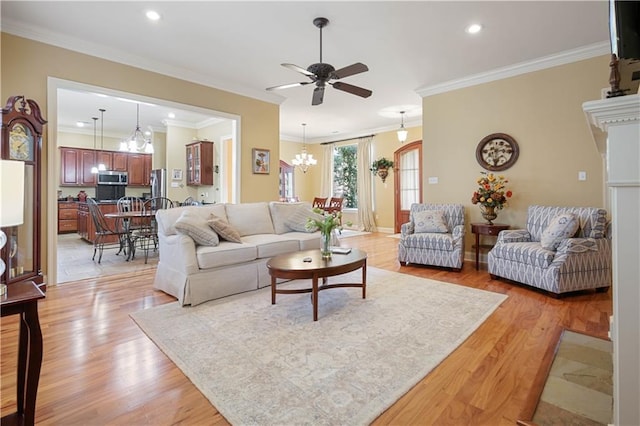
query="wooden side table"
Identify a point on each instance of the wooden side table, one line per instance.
(22, 298)
(485, 229)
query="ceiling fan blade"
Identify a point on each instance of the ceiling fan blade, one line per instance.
(299, 69)
(318, 95)
(352, 69)
(286, 86)
(354, 90)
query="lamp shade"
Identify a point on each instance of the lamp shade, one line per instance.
(11, 193)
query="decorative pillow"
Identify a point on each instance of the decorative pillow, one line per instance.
(561, 227)
(197, 228)
(298, 220)
(430, 221)
(224, 229)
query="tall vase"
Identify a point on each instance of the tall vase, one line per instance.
(325, 244)
(489, 213)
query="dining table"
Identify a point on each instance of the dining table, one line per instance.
(128, 217)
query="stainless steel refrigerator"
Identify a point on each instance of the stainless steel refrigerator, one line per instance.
(159, 183)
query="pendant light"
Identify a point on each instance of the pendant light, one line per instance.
(402, 132)
(304, 160)
(101, 166)
(137, 142)
(94, 169)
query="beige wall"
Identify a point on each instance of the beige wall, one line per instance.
(26, 65)
(543, 112)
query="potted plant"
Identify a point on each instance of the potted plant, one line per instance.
(381, 167)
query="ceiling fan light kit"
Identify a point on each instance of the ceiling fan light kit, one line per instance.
(321, 74)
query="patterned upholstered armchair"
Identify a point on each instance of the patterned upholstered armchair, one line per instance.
(551, 259)
(434, 235)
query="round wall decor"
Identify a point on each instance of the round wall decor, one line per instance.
(497, 152)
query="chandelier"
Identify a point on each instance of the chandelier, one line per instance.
(402, 132)
(137, 142)
(304, 160)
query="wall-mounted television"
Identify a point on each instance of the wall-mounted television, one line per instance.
(624, 29)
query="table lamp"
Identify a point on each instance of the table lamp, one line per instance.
(11, 202)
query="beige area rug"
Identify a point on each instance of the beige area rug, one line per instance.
(579, 388)
(272, 364)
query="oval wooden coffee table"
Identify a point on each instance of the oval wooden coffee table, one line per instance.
(292, 266)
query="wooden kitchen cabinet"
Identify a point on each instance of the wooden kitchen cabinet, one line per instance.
(119, 162)
(139, 169)
(75, 166)
(67, 217)
(200, 161)
(69, 170)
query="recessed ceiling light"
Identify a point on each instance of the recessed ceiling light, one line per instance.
(473, 28)
(171, 115)
(152, 15)
(80, 123)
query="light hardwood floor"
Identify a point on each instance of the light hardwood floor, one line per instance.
(100, 368)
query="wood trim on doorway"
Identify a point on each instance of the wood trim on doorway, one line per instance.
(402, 216)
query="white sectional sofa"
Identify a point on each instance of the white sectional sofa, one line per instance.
(196, 273)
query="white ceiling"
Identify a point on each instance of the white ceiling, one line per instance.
(410, 48)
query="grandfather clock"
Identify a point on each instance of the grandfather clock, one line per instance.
(21, 134)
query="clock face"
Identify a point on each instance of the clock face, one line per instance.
(21, 143)
(497, 152)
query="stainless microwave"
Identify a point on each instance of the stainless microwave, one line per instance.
(113, 177)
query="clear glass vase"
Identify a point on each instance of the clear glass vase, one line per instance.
(325, 244)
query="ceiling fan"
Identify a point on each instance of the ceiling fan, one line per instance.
(321, 74)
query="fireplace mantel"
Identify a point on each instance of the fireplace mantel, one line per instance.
(615, 124)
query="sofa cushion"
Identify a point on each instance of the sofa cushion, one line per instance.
(280, 213)
(269, 245)
(430, 221)
(224, 254)
(298, 220)
(528, 253)
(430, 241)
(561, 227)
(224, 229)
(250, 218)
(197, 228)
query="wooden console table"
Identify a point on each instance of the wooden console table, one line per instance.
(485, 229)
(22, 298)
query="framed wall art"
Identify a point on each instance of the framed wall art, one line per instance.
(176, 174)
(260, 161)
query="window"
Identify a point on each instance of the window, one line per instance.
(345, 174)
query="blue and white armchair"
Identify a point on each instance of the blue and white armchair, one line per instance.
(434, 236)
(562, 249)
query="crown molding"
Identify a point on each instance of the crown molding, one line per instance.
(100, 51)
(562, 58)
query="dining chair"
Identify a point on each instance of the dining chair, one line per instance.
(104, 229)
(152, 205)
(335, 207)
(319, 203)
(138, 228)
